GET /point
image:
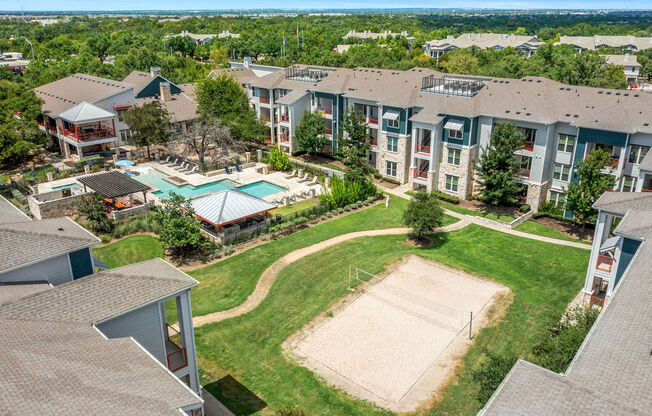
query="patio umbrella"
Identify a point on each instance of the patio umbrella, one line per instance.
(124, 163)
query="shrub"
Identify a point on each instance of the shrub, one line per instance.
(445, 197)
(424, 214)
(491, 373)
(298, 152)
(340, 210)
(278, 160)
(289, 409)
(344, 192)
(524, 208)
(323, 217)
(552, 209)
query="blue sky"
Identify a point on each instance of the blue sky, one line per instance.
(257, 4)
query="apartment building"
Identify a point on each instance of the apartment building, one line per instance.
(427, 129)
(631, 67)
(591, 43)
(611, 372)
(499, 41)
(198, 38)
(367, 34)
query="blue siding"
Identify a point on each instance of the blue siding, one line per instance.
(403, 120)
(626, 255)
(152, 89)
(80, 262)
(466, 135)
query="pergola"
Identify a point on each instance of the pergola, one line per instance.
(113, 184)
(229, 206)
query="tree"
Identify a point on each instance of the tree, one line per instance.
(207, 137)
(353, 146)
(91, 207)
(581, 195)
(279, 160)
(498, 164)
(310, 133)
(180, 232)
(149, 125)
(98, 45)
(222, 98)
(424, 214)
(460, 61)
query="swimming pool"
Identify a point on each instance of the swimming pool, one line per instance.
(154, 178)
(69, 186)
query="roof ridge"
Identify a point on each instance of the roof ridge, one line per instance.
(68, 237)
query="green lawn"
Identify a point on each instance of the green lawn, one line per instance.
(532, 227)
(291, 209)
(543, 277)
(39, 174)
(130, 250)
(474, 213)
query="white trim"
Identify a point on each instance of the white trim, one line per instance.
(16, 208)
(454, 125)
(391, 115)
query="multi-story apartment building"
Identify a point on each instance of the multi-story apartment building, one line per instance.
(631, 67)
(427, 129)
(499, 41)
(629, 43)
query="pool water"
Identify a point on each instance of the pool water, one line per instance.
(155, 179)
(69, 186)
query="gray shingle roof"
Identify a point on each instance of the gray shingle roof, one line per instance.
(113, 184)
(29, 241)
(10, 213)
(54, 362)
(12, 291)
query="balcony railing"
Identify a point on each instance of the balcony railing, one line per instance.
(263, 100)
(604, 263)
(89, 136)
(524, 173)
(646, 190)
(373, 142)
(321, 109)
(267, 140)
(265, 118)
(372, 120)
(420, 174)
(328, 132)
(284, 118)
(422, 149)
(178, 358)
(284, 138)
(528, 146)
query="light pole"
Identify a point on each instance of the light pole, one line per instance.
(32, 46)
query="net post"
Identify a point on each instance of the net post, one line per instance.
(349, 277)
(471, 326)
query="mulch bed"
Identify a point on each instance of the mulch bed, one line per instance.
(495, 209)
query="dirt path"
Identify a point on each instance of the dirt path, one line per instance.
(269, 275)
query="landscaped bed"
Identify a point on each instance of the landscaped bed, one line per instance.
(543, 278)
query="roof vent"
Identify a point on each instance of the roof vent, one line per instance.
(527, 114)
(646, 124)
(60, 229)
(507, 111)
(600, 92)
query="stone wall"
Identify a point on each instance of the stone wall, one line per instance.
(464, 171)
(401, 157)
(536, 194)
(53, 208)
(129, 212)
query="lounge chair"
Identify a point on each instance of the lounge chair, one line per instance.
(238, 168)
(172, 164)
(305, 178)
(315, 181)
(227, 170)
(187, 168)
(291, 175)
(165, 162)
(193, 170)
(182, 167)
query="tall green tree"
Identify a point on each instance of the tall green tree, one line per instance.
(353, 146)
(424, 214)
(497, 166)
(91, 206)
(222, 98)
(310, 133)
(149, 125)
(593, 182)
(180, 232)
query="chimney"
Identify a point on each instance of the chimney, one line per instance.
(247, 61)
(166, 92)
(154, 71)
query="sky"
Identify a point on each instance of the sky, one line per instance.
(72, 5)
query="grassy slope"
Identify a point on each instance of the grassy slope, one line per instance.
(249, 347)
(290, 209)
(130, 250)
(532, 227)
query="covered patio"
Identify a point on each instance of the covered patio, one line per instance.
(86, 129)
(118, 191)
(228, 213)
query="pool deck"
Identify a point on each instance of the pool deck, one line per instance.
(294, 190)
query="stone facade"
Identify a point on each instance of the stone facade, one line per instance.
(401, 156)
(53, 205)
(536, 194)
(464, 171)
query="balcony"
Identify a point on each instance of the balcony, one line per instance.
(372, 120)
(266, 119)
(420, 174)
(177, 356)
(422, 149)
(284, 118)
(80, 135)
(267, 140)
(373, 142)
(284, 138)
(263, 100)
(611, 164)
(523, 173)
(646, 190)
(328, 132)
(528, 147)
(321, 109)
(604, 263)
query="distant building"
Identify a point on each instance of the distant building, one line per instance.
(631, 67)
(352, 34)
(499, 41)
(199, 39)
(14, 61)
(591, 43)
(226, 34)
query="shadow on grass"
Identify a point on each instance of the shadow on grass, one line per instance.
(239, 399)
(438, 240)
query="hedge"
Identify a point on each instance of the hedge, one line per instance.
(445, 197)
(559, 218)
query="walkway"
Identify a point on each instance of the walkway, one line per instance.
(269, 275)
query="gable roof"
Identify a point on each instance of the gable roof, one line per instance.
(85, 112)
(27, 242)
(10, 213)
(141, 80)
(55, 362)
(113, 184)
(228, 206)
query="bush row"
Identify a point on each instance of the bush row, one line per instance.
(445, 197)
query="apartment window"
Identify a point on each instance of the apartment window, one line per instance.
(561, 172)
(566, 143)
(454, 156)
(629, 184)
(637, 153)
(390, 169)
(558, 198)
(124, 135)
(455, 134)
(392, 144)
(452, 183)
(393, 124)
(528, 134)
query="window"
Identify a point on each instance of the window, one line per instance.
(528, 134)
(629, 184)
(566, 143)
(390, 169)
(454, 156)
(451, 183)
(561, 172)
(124, 135)
(393, 124)
(455, 134)
(637, 153)
(558, 198)
(392, 144)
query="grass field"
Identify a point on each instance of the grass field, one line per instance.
(474, 213)
(130, 250)
(532, 227)
(39, 174)
(543, 277)
(291, 209)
